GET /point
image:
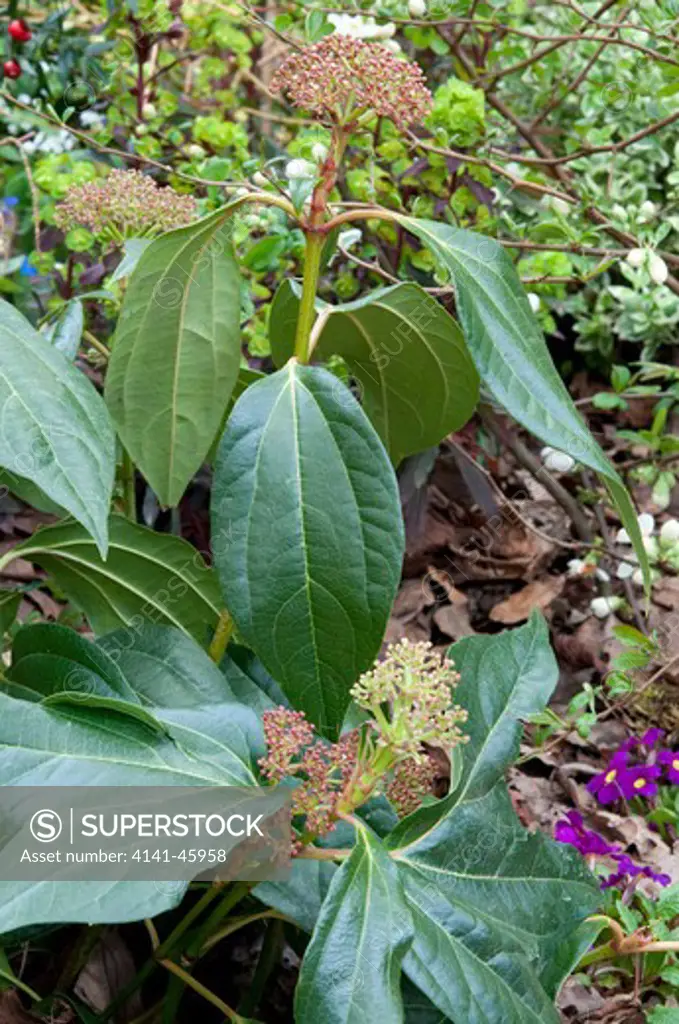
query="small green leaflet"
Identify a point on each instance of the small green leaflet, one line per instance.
(307, 535)
(510, 353)
(55, 430)
(176, 352)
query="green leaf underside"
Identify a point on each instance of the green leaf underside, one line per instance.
(352, 966)
(176, 352)
(147, 576)
(307, 535)
(418, 382)
(508, 347)
(55, 430)
(497, 911)
(200, 744)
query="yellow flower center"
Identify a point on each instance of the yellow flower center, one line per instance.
(611, 775)
(675, 765)
(639, 783)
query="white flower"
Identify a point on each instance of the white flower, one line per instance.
(646, 527)
(576, 567)
(669, 532)
(300, 169)
(657, 268)
(361, 28)
(602, 575)
(646, 523)
(625, 570)
(195, 151)
(603, 606)
(319, 152)
(638, 577)
(636, 257)
(560, 205)
(558, 461)
(417, 8)
(90, 119)
(260, 180)
(647, 211)
(392, 46)
(349, 237)
(533, 301)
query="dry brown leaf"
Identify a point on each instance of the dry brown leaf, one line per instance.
(518, 607)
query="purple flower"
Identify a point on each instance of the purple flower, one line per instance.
(640, 780)
(651, 737)
(670, 759)
(621, 779)
(607, 785)
(627, 870)
(575, 834)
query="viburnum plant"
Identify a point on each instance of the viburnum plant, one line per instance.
(262, 669)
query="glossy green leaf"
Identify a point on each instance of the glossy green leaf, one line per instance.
(200, 745)
(307, 535)
(495, 907)
(166, 667)
(417, 380)
(66, 331)
(54, 428)
(508, 347)
(352, 966)
(56, 665)
(176, 352)
(147, 576)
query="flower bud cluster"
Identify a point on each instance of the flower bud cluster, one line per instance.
(126, 204)
(323, 769)
(411, 781)
(340, 78)
(417, 687)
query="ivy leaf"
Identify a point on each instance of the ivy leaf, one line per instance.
(147, 576)
(418, 382)
(510, 353)
(498, 911)
(353, 963)
(176, 352)
(307, 535)
(54, 428)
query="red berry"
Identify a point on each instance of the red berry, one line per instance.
(11, 68)
(19, 31)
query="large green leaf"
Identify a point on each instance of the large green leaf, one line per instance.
(54, 428)
(66, 331)
(352, 966)
(418, 382)
(166, 667)
(176, 352)
(508, 347)
(307, 535)
(147, 576)
(495, 907)
(215, 743)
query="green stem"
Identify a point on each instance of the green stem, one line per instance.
(129, 491)
(222, 635)
(307, 309)
(269, 958)
(204, 992)
(163, 950)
